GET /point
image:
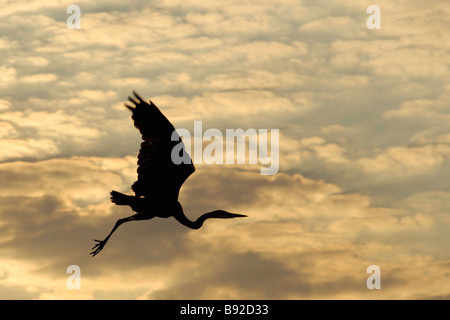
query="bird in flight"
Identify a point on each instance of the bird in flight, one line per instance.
(159, 178)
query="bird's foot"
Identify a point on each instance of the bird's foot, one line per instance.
(98, 247)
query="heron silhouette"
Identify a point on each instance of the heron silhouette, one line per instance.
(159, 178)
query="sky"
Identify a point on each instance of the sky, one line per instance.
(364, 148)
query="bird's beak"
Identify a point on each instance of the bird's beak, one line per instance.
(238, 215)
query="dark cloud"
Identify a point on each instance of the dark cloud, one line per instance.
(250, 274)
(16, 293)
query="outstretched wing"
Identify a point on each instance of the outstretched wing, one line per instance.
(158, 175)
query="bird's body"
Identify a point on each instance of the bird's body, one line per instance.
(147, 206)
(159, 178)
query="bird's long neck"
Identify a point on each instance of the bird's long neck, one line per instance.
(197, 224)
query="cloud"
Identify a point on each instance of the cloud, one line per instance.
(433, 111)
(51, 174)
(42, 134)
(12, 149)
(400, 161)
(235, 276)
(45, 77)
(321, 240)
(330, 27)
(8, 76)
(364, 147)
(218, 109)
(310, 223)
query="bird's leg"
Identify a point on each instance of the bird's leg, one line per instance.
(100, 244)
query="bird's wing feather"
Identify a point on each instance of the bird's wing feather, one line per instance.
(157, 173)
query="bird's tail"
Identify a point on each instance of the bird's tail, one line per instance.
(121, 199)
